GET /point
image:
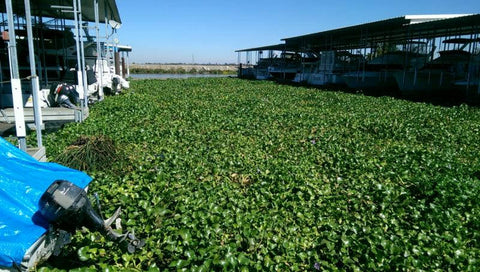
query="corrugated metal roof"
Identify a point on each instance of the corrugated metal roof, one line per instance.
(395, 29)
(107, 9)
(415, 19)
(124, 48)
(399, 29)
(279, 47)
(350, 32)
(464, 25)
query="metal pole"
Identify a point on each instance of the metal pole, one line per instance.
(35, 84)
(82, 54)
(106, 46)
(79, 63)
(99, 65)
(15, 80)
(39, 63)
(44, 54)
(284, 61)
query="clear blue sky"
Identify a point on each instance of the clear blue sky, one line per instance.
(210, 31)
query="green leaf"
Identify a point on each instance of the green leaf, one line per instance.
(83, 253)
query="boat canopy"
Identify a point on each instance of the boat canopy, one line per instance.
(60, 9)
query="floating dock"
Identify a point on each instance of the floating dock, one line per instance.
(56, 114)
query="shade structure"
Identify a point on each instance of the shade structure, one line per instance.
(397, 29)
(59, 9)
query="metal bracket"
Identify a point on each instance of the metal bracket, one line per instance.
(5, 116)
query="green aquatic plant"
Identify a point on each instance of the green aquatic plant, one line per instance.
(225, 174)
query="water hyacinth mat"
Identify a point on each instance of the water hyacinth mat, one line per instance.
(237, 175)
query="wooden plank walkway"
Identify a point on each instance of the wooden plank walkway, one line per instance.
(38, 153)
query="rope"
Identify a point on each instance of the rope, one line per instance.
(9, 81)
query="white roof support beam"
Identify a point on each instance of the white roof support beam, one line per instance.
(34, 78)
(15, 80)
(82, 89)
(99, 62)
(82, 57)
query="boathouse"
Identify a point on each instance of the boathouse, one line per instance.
(415, 56)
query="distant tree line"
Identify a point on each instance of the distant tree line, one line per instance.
(184, 63)
(179, 70)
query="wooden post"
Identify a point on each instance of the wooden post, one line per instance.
(117, 63)
(123, 67)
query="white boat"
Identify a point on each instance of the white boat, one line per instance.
(286, 66)
(451, 75)
(377, 76)
(329, 67)
(261, 69)
(471, 84)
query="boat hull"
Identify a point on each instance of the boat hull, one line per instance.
(372, 82)
(283, 75)
(322, 79)
(429, 84)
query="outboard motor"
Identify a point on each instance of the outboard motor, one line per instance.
(64, 95)
(67, 207)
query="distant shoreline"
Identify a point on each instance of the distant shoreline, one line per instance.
(215, 69)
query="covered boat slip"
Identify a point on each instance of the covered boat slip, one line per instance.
(413, 56)
(60, 30)
(107, 9)
(48, 42)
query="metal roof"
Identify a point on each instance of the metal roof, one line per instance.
(347, 34)
(395, 29)
(46, 8)
(279, 47)
(358, 35)
(399, 29)
(465, 25)
(124, 48)
(415, 19)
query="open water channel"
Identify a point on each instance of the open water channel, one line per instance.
(166, 76)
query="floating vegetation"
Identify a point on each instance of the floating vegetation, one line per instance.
(234, 175)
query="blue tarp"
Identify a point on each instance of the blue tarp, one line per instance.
(23, 180)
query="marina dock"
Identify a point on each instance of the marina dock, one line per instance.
(56, 114)
(412, 56)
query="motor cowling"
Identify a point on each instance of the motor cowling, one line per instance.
(67, 207)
